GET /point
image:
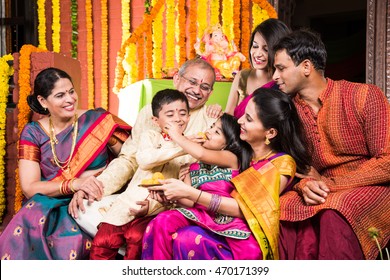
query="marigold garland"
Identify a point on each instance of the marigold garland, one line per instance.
(227, 16)
(202, 16)
(90, 80)
(245, 30)
(149, 52)
(56, 26)
(236, 22)
(267, 7)
(104, 59)
(41, 24)
(170, 34)
(75, 27)
(141, 60)
(129, 64)
(157, 43)
(258, 15)
(125, 13)
(214, 12)
(236, 25)
(6, 71)
(181, 32)
(192, 34)
(24, 112)
(135, 36)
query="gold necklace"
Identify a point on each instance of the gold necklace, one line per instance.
(262, 157)
(64, 165)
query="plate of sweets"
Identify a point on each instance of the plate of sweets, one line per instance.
(150, 182)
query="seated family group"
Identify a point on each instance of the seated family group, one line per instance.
(297, 167)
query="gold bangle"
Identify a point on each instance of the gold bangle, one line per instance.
(71, 185)
(112, 141)
(62, 182)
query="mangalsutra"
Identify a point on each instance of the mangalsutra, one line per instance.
(262, 157)
(64, 165)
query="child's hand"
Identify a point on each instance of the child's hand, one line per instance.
(174, 129)
(184, 171)
(197, 138)
(158, 195)
(143, 211)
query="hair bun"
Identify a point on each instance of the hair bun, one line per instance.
(34, 104)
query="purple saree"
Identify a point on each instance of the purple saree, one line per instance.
(42, 228)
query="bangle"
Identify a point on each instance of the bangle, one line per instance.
(112, 141)
(64, 187)
(198, 197)
(61, 184)
(71, 185)
(214, 203)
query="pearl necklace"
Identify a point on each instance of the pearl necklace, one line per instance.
(262, 157)
(64, 165)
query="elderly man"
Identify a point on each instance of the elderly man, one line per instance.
(195, 79)
(332, 210)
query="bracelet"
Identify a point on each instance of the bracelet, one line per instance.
(61, 184)
(64, 187)
(71, 185)
(112, 141)
(198, 197)
(214, 203)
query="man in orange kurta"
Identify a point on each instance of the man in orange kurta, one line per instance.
(333, 209)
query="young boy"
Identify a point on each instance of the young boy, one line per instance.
(156, 153)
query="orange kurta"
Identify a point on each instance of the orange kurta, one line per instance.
(349, 140)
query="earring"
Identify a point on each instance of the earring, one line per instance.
(267, 142)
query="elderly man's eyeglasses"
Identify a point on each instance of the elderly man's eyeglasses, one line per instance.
(203, 87)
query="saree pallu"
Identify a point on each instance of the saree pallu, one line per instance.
(158, 239)
(257, 193)
(42, 228)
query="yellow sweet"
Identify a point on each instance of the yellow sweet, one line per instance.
(158, 176)
(154, 180)
(203, 135)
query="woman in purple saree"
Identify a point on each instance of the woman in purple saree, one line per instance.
(55, 154)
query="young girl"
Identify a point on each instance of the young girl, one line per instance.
(222, 155)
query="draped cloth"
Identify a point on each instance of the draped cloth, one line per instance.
(42, 228)
(243, 97)
(161, 232)
(257, 193)
(260, 205)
